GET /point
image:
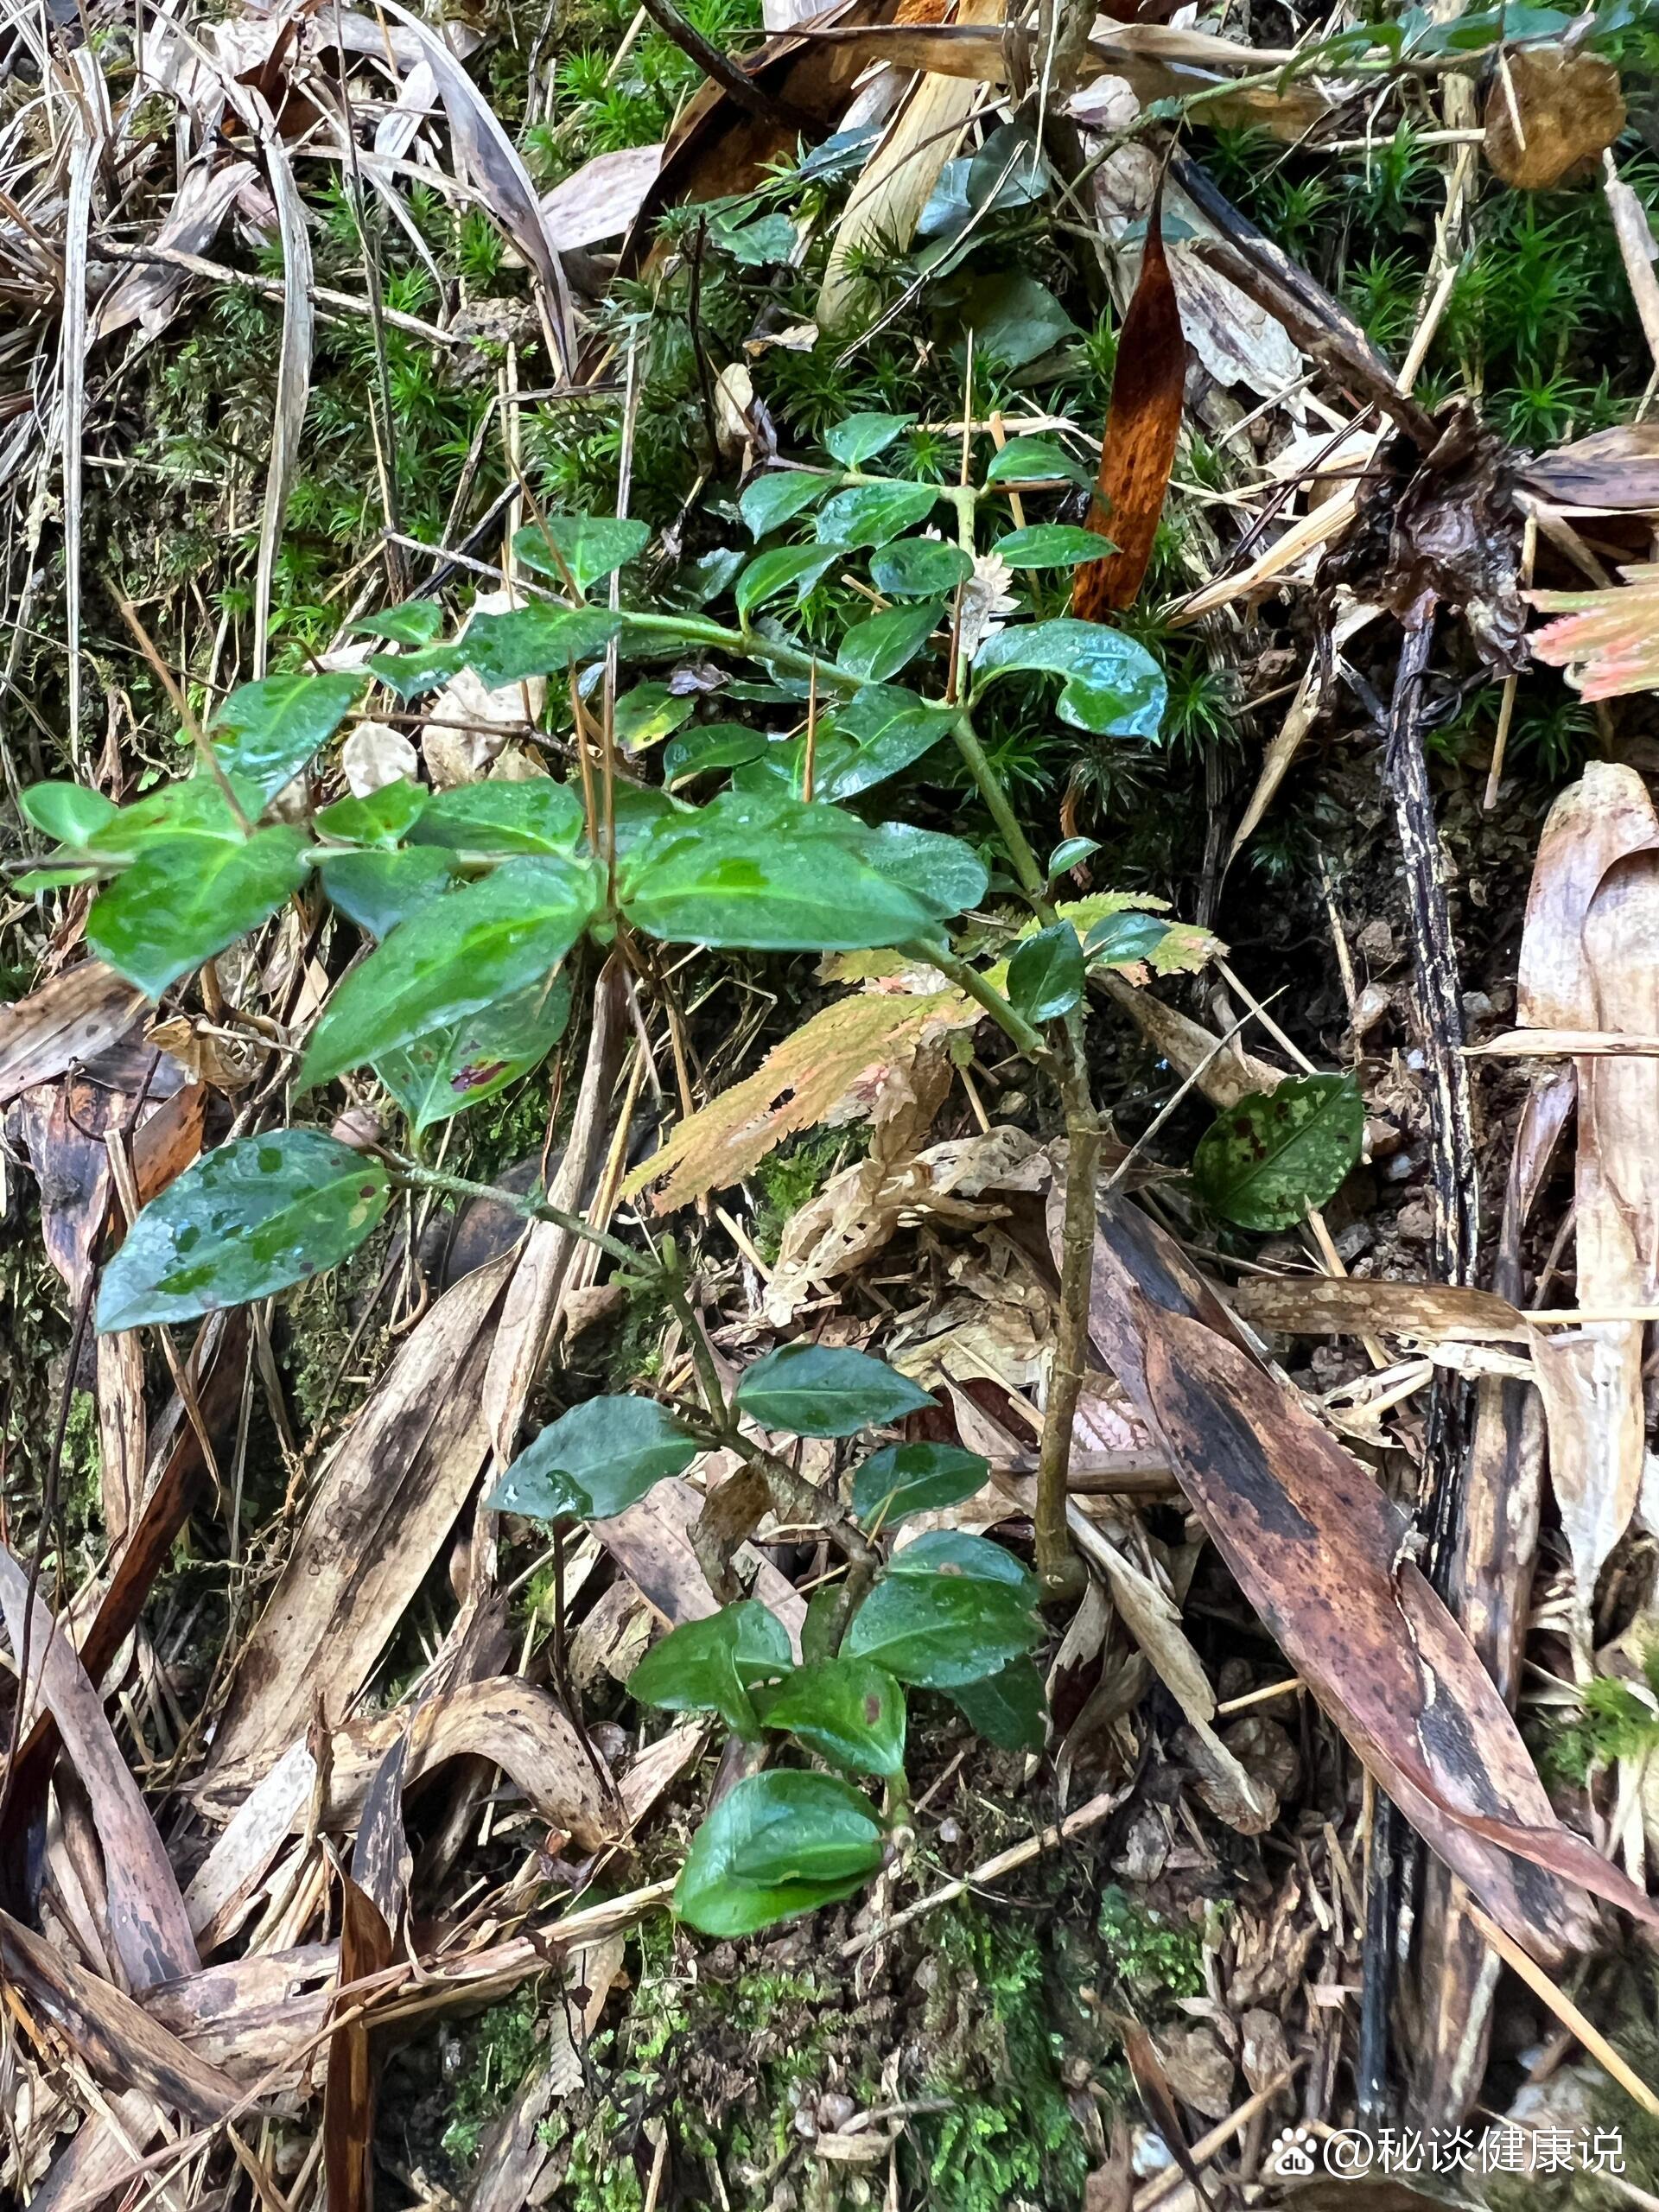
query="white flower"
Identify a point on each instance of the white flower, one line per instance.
(985, 601)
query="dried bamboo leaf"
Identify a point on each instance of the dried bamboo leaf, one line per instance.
(231, 1875)
(1320, 1305)
(1595, 822)
(72, 1018)
(90, 110)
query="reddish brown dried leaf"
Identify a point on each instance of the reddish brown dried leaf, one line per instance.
(1143, 424)
(348, 2095)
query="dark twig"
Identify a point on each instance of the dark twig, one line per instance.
(729, 75)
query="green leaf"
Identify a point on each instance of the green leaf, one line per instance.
(861, 437)
(382, 817)
(776, 1845)
(591, 547)
(1008, 1708)
(905, 1479)
(825, 1391)
(942, 1615)
(276, 725)
(890, 729)
(1030, 462)
(411, 675)
(244, 1221)
(774, 572)
(1113, 686)
(1046, 975)
(491, 821)
(648, 714)
(1014, 318)
(1052, 545)
(1069, 852)
(767, 872)
(453, 1068)
(871, 514)
(535, 640)
(847, 1710)
(68, 813)
(1118, 938)
(417, 622)
(596, 1461)
(177, 813)
(779, 496)
(758, 243)
(920, 568)
(1264, 1161)
(710, 746)
(881, 647)
(464, 951)
(181, 902)
(712, 1665)
(378, 890)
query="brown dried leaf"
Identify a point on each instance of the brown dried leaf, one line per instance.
(1548, 111)
(1142, 425)
(72, 1018)
(1320, 1305)
(1595, 822)
(1615, 469)
(348, 2095)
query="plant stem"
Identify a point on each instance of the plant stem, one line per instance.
(1057, 1564)
(1030, 1040)
(414, 1176)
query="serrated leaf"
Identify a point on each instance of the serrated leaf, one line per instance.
(242, 1221)
(826, 1390)
(466, 951)
(920, 568)
(1264, 1161)
(905, 1479)
(1008, 1708)
(777, 1844)
(1112, 687)
(590, 547)
(849, 1711)
(712, 1665)
(535, 640)
(68, 813)
(276, 725)
(417, 622)
(596, 1461)
(711, 746)
(182, 902)
(412, 675)
(1046, 974)
(886, 643)
(1050, 545)
(778, 570)
(872, 514)
(378, 890)
(492, 821)
(450, 1068)
(779, 496)
(861, 437)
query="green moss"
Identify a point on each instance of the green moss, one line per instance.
(1150, 1954)
(796, 1173)
(500, 2047)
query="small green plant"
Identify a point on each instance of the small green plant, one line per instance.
(1616, 1720)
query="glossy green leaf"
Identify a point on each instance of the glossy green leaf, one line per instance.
(1262, 1162)
(1033, 461)
(244, 1221)
(1113, 686)
(826, 1390)
(905, 1479)
(267, 731)
(596, 1461)
(872, 514)
(1069, 852)
(712, 1665)
(378, 890)
(451, 1068)
(973, 1559)
(941, 1615)
(939, 872)
(1008, 1708)
(1046, 975)
(861, 437)
(699, 752)
(920, 568)
(589, 547)
(1050, 545)
(68, 813)
(880, 647)
(849, 1711)
(412, 675)
(889, 730)
(535, 640)
(777, 498)
(648, 714)
(417, 622)
(381, 818)
(492, 821)
(783, 568)
(175, 814)
(777, 1844)
(1116, 938)
(463, 952)
(1015, 319)
(180, 903)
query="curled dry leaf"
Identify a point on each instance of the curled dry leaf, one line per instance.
(1549, 111)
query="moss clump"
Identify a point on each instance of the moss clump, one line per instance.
(797, 1172)
(499, 2049)
(1153, 1958)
